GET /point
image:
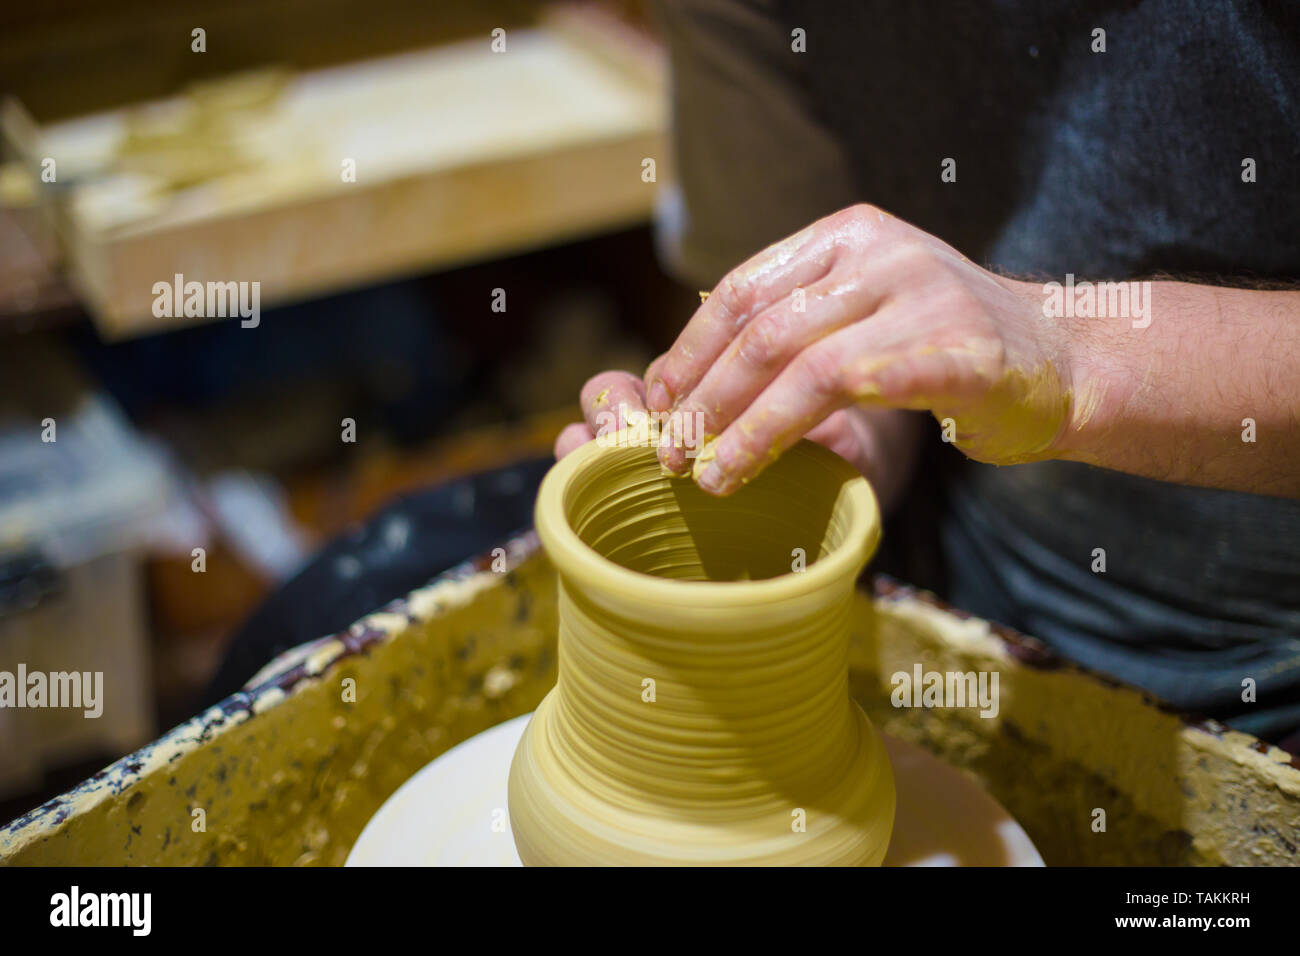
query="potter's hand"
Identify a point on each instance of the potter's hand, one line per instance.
(882, 443)
(607, 399)
(861, 309)
(861, 314)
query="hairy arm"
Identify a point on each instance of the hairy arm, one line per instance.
(1207, 394)
(862, 310)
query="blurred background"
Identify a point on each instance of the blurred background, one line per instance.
(445, 208)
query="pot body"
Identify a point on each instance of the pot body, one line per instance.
(702, 713)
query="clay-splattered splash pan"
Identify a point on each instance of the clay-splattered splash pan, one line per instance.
(290, 770)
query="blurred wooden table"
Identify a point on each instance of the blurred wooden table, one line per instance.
(312, 182)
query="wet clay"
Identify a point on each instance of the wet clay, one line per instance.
(702, 712)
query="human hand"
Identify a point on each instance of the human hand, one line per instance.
(607, 400)
(862, 309)
(882, 443)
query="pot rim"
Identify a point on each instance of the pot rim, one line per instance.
(574, 557)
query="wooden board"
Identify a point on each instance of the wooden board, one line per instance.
(459, 153)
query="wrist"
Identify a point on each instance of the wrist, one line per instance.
(1106, 359)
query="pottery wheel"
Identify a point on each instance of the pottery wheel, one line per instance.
(453, 813)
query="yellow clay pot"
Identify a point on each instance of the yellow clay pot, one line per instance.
(702, 713)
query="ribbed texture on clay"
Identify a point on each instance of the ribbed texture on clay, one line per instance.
(752, 727)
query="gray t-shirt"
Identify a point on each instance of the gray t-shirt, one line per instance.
(1114, 164)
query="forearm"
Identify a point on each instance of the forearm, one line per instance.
(1207, 394)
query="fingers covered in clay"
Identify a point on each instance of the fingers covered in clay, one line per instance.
(757, 284)
(769, 343)
(861, 309)
(887, 360)
(608, 398)
(768, 310)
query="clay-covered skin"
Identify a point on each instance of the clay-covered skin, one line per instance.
(702, 713)
(858, 311)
